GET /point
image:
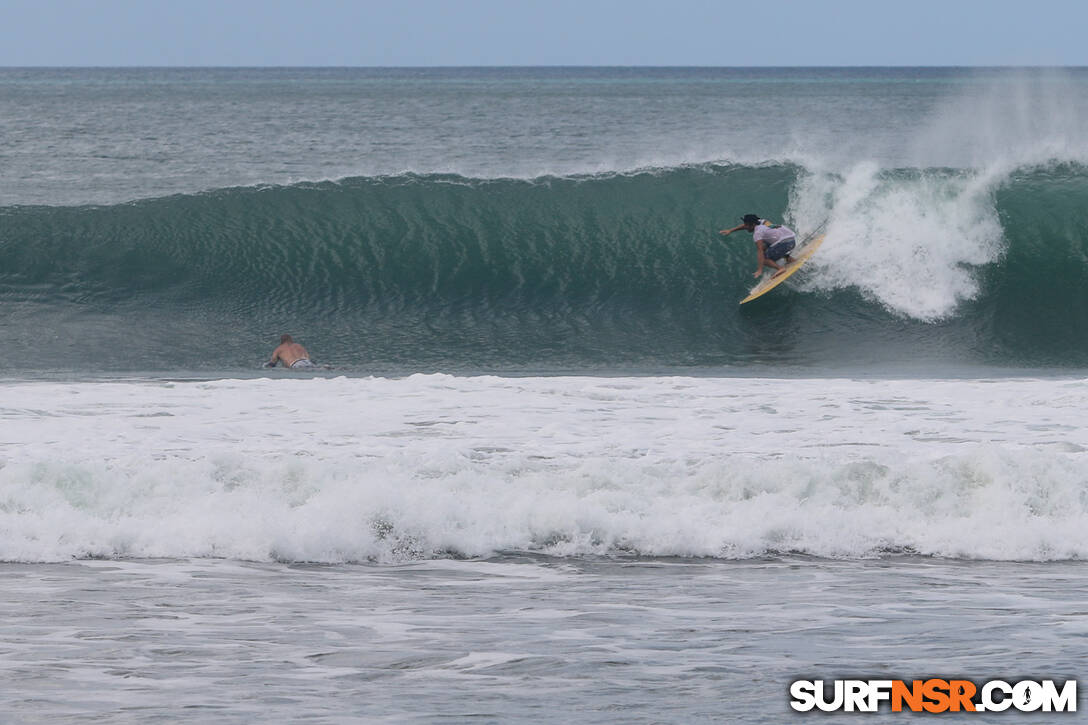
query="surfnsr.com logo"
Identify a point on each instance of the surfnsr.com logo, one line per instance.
(933, 695)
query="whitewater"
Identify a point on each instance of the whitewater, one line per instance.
(554, 471)
(354, 470)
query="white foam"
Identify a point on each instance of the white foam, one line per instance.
(354, 469)
(915, 243)
(916, 238)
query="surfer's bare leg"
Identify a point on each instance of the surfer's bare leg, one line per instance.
(769, 263)
(762, 261)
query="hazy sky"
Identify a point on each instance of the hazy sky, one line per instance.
(543, 32)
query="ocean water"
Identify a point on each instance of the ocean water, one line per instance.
(553, 470)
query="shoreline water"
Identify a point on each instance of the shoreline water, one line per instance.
(516, 638)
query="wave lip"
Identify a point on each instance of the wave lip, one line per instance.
(443, 466)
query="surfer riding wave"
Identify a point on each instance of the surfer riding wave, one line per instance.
(773, 242)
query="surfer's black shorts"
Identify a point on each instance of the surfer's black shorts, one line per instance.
(778, 250)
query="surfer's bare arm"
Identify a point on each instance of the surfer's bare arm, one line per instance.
(275, 358)
(727, 232)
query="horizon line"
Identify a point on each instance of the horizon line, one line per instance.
(513, 66)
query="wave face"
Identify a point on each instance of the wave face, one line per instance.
(447, 272)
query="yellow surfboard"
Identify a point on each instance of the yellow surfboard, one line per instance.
(769, 283)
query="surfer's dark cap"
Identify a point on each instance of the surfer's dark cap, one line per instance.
(750, 219)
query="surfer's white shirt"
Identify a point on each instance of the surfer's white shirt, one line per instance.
(772, 235)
